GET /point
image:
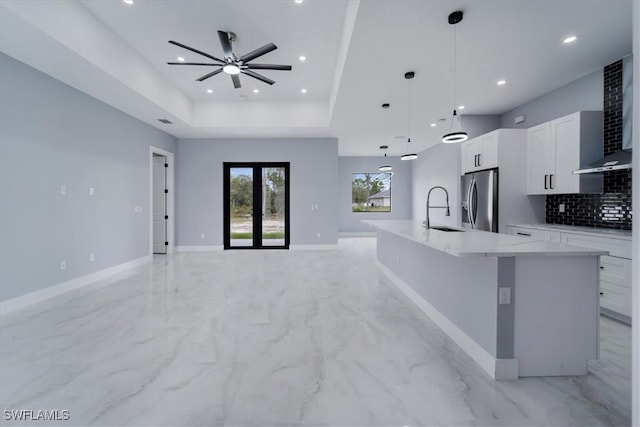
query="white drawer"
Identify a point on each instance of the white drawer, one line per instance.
(535, 234)
(616, 247)
(615, 270)
(615, 297)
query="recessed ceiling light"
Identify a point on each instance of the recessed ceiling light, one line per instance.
(461, 107)
(303, 91)
(298, 1)
(501, 82)
(570, 39)
(128, 1)
(302, 58)
(180, 58)
(256, 91)
(209, 90)
(432, 125)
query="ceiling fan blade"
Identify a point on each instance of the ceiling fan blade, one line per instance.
(194, 63)
(236, 81)
(268, 67)
(199, 52)
(211, 74)
(258, 76)
(258, 52)
(226, 44)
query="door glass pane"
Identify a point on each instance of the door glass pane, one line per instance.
(273, 206)
(241, 206)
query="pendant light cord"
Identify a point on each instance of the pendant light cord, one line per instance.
(409, 115)
(455, 63)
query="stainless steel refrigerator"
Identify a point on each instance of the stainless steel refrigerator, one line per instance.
(480, 200)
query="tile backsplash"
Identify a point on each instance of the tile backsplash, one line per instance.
(612, 208)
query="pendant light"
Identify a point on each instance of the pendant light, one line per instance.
(456, 134)
(385, 167)
(409, 156)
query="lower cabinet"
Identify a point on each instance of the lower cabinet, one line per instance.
(615, 269)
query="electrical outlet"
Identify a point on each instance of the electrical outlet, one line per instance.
(561, 207)
(63, 265)
(63, 190)
(92, 191)
(505, 295)
(137, 209)
(92, 257)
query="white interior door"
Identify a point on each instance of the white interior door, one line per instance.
(159, 204)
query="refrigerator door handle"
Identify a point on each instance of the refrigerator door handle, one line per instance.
(474, 203)
(468, 203)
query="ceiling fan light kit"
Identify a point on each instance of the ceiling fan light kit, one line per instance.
(458, 135)
(231, 64)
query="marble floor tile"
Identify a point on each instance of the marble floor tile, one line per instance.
(276, 338)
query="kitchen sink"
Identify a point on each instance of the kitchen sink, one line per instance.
(443, 228)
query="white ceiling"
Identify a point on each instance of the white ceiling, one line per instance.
(358, 52)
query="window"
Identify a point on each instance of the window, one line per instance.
(371, 192)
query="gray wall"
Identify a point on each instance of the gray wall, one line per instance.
(584, 94)
(53, 135)
(440, 165)
(314, 179)
(350, 222)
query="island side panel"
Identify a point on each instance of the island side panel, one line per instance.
(463, 289)
(556, 314)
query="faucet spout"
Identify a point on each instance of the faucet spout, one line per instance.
(448, 211)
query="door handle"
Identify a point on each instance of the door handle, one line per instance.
(479, 163)
(551, 181)
(545, 182)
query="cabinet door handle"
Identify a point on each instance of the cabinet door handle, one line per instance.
(551, 181)
(475, 160)
(601, 293)
(523, 234)
(479, 163)
(602, 267)
(545, 182)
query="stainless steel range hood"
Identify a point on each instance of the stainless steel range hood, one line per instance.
(619, 160)
(615, 161)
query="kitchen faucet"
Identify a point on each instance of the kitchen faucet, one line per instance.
(448, 213)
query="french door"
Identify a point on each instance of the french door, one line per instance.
(256, 205)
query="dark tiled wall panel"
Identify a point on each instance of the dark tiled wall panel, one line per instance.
(612, 208)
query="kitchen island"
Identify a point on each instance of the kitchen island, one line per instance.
(517, 307)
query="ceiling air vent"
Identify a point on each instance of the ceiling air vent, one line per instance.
(165, 121)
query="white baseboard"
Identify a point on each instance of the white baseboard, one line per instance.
(499, 369)
(23, 301)
(199, 248)
(313, 247)
(357, 234)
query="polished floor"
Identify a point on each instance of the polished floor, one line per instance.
(276, 338)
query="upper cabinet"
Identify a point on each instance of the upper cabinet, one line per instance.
(556, 148)
(480, 153)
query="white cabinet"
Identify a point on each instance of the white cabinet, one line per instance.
(615, 269)
(480, 153)
(558, 147)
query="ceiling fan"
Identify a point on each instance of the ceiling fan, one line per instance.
(231, 64)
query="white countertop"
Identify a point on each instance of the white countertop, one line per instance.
(602, 232)
(478, 243)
